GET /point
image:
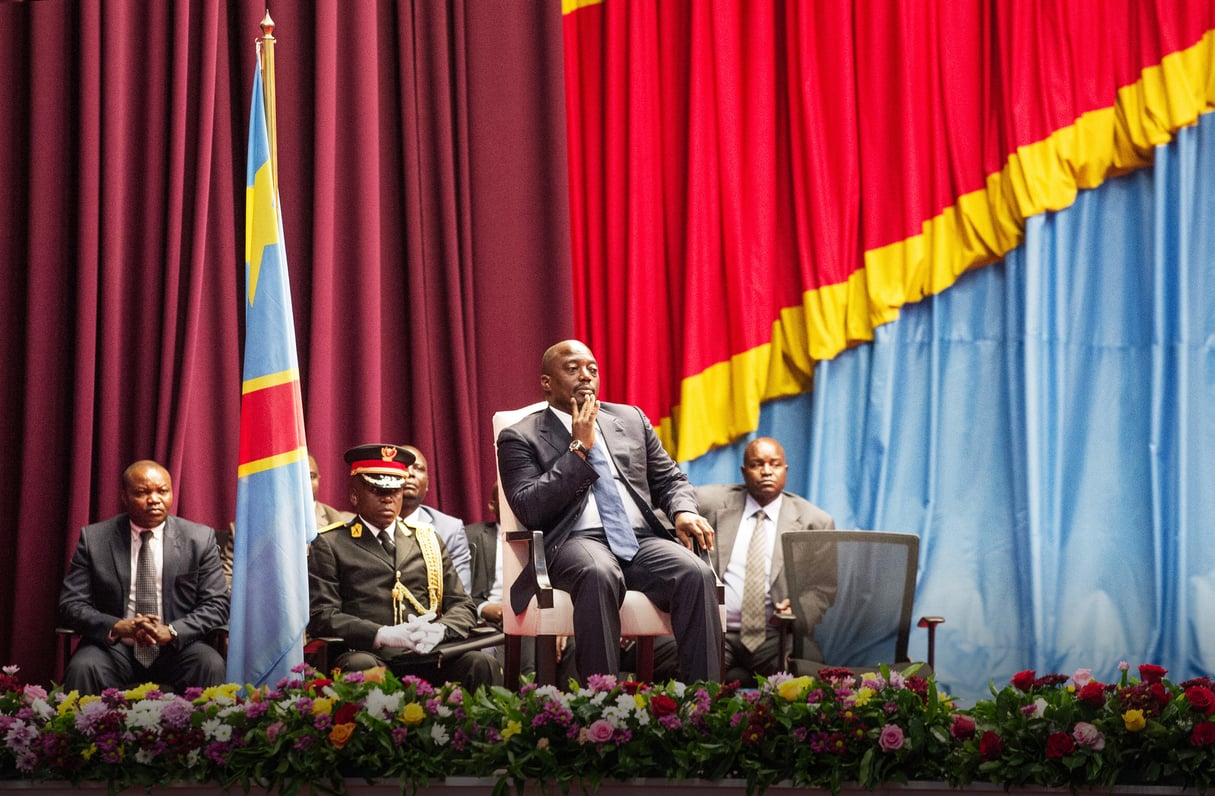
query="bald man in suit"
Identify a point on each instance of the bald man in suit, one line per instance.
(732, 511)
(99, 598)
(591, 475)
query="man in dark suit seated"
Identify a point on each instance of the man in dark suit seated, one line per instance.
(144, 589)
(388, 590)
(758, 509)
(591, 476)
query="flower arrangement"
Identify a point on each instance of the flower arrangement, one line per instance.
(1057, 731)
(825, 731)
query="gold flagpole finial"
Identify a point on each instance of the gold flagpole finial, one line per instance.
(266, 54)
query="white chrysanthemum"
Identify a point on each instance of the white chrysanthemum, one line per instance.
(216, 730)
(144, 756)
(42, 709)
(598, 698)
(381, 705)
(439, 733)
(231, 710)
(144, 715)
(442, 711)
(554, 693)
(680, 688)
(192, 757)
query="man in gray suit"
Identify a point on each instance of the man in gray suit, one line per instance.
(591, 475)
(737, 512)
(99, 599)
(449, 528)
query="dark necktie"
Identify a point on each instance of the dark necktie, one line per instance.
(390, 546)
(616, 526)
(753, 620)
(145, 594)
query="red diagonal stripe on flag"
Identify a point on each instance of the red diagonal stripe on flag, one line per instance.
(260, 436)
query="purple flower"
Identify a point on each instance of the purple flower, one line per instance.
(255, 710)
(273, 730)
(601, 682)
(399, 734)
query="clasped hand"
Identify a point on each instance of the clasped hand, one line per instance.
(416, 634)
(146, 630)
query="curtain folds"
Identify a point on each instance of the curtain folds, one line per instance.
(422, 178)
(756, 186)
(1045, 427)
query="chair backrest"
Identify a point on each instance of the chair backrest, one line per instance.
(852, 594)
(507, 521)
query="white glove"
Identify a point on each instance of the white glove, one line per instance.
(416, 634)
(425, 634)
(396, 637)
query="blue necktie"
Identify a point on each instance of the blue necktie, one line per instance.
(616, 526)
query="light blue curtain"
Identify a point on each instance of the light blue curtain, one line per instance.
(1047, 427)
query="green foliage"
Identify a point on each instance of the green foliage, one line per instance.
(826, 732)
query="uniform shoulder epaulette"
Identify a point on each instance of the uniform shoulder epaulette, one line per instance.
(331, 526)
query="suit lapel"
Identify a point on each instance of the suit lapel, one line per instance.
(730, 519)
(170, 563)
(120, 550)
(788, 521)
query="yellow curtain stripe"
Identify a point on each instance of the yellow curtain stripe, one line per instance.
(270, 462)
(269, 380)
(721, 403)
(570, 6)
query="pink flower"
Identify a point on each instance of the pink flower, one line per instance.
(34, 692)
(1088, 736)
(1082, 677)
(600, 731)
(891, 739)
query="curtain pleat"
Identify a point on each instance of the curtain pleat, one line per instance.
(1045, 427)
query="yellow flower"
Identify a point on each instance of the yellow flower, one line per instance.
(141, 691)
(412, 714)
(68, 706)
(88, 699)
(790, 690)
(639, 701)
(1134, 721)
(322, 705)
(225, 692)
(89, 751)
(340, 734)
(512, 728)
(863, 695)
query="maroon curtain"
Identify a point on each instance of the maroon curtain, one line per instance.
(422, 177)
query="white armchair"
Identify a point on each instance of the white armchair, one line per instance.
(550, 613)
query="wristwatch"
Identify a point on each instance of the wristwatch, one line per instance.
(172, 633)
(577, 447)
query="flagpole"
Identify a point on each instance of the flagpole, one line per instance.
(265, 51)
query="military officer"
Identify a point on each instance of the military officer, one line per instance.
(389, 591)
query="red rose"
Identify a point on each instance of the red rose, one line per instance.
(1024, 681)
(1203, 734)
(1202, 699)
(1092, 694)
(1059, 744)
(1159, 693)
(1151, 673)
(963, 727)
(318, 684)
(990, 746)
(346, 713)
(662, 705)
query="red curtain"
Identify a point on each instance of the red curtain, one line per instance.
(755, 185)
(422, 176)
